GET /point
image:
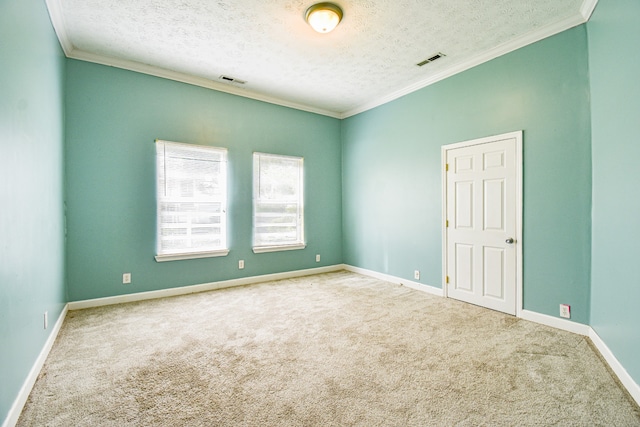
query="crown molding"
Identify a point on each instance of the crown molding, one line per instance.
(57, 20)
(587, 8)
(193, 80)
(503, 49)
(70, 51)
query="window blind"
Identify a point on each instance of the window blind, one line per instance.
(278, 207)
(191, 198)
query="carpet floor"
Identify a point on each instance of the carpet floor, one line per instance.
(336, 349)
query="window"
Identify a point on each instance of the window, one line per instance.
(278, 211)
(191, 201)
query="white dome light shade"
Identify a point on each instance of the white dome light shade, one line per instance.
(324, 17)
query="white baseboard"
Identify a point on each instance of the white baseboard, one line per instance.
(578, 328)
(184, 290)
(554, 322)
(393, 279)
(23, 395)
(567, 325)
(632, 387)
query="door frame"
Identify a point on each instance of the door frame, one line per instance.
(518, 200)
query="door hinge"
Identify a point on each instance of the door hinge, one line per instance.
(446, 223)
(446, 279)
(446, 167)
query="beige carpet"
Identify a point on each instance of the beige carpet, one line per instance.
(336, 349)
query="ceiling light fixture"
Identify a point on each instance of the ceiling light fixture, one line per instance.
(324, 17)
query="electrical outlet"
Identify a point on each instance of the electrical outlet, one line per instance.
(240, 264)
(126, 278)
(565, 311)
(416, 274)
(46, 319)
(318, 258)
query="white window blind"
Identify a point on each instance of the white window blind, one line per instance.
(278, 203)
(191, 201)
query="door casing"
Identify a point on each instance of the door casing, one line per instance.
(518, 200)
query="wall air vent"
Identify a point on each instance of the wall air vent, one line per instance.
(232, 80)
(431, 59)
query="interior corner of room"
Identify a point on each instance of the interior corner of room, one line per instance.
(77, 182)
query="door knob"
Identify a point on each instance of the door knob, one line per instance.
(510, 240)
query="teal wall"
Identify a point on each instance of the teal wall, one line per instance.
(113, 117)
(373, 182)
(614, 37)
(392, 206)
(31, 189)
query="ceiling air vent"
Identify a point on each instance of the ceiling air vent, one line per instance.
(433, 58)
(232, 80)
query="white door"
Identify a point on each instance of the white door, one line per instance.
(482, 221)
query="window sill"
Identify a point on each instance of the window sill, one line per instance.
(264, 249)
(192, 255)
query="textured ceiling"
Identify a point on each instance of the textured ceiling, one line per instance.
(368, 59)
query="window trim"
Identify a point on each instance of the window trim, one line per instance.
(257, 249)
(217, 252)
(191, 255)
(265, 249)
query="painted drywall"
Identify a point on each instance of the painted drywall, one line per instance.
(614, 36)
(392, 213)
(31, 189)
(113, 118)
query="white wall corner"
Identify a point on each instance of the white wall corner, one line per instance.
(27, 386)
(627, 381)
